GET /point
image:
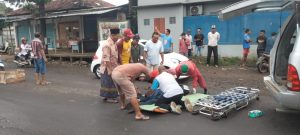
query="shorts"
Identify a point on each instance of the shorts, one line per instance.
(124, 85)
(40, 66)
(246, 51)
(152, 67)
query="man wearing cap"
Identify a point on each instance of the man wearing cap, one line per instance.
(124, 46)
(25, 48)
(136, 49)
(152, 51)
(213, 38)
(167, 40)
(190, 69)
(108, 63)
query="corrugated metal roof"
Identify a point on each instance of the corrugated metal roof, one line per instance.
(59, 5)
(96, 12)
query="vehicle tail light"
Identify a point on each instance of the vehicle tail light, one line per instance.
(293, 79)
(95, 57)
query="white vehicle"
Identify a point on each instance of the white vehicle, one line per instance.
(171, 60)
(283, 81)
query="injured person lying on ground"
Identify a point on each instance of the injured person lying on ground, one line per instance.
(169, 93)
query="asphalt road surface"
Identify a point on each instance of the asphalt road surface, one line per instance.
(71, 106)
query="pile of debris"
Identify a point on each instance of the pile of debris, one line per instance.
(12, 76)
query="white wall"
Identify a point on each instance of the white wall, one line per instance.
(230, 51)
(159, 12)
(157, 2)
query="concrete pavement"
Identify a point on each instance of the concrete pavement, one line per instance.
(71, 106)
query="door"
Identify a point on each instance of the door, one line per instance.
(23, 30)
(160, 24)
(68, 31)
(283, 51)
(51, 35)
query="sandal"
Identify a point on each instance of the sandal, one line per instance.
(111, 100)
(142, 118)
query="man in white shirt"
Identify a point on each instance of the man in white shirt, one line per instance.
(25, 48)
(213, 38)
(153, 49)
(190, 47)
(172, 92)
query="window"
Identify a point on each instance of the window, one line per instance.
(172, 20)
(146, 22)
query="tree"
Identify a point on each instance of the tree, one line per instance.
(133, 14)
(41, 7)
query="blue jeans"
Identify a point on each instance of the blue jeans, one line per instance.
(40, 66)
(198, 50)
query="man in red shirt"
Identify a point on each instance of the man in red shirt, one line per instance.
(190, 69)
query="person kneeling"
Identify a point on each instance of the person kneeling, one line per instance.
(172, 93)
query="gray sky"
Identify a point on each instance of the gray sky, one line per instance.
(115, 2)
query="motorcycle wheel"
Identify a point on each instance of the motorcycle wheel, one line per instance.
(262, 68)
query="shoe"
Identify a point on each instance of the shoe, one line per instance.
(188, 105)
(174, 108)
(207, 65)
(205, 91)
(216, 66)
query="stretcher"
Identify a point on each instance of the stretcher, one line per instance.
(193, 98)
(218, 106)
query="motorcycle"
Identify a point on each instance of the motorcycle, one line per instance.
(24, 60)
(262, 63)
(1, 65)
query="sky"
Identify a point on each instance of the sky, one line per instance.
(115, 2)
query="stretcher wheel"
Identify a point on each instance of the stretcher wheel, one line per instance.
(215, 117)
(225, 115)
(195, 112)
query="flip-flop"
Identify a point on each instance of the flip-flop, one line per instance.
(142, 118)
(110, 100)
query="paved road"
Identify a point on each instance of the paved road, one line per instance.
(70, 106)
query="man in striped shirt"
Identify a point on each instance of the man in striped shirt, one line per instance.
(39, 59)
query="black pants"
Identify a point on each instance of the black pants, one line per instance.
(164, 103)
(260, 52)
(214, 50)
(190, 53)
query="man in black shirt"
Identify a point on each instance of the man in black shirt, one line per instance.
(261, 42)
(199, 38)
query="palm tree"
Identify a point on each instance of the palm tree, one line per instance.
(133, 14)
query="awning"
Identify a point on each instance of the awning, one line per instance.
(247, 6)
(78, 13)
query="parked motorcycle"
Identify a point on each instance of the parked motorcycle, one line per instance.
(1, 65)
(262, 63)
(24, 60)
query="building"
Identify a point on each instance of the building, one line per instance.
(181, 15)
(73, 24)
